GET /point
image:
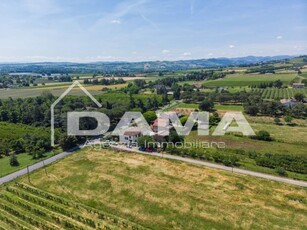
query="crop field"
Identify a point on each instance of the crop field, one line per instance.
(26, 207)
(274, 93)
(153, 192)
(247, 80)
(56, 90)
(13, 131)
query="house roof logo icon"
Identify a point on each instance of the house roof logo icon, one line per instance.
(75, 83)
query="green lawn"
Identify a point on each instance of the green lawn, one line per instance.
(24, 160)
(229, 107)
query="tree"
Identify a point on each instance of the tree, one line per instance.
(251, 110)
(18, 146)
(13, 160)
(206, 105)
(281, 171)
(146, 142)
(214, 119)
(263, 136)
(288, 119)
(277, 121)
(68, 142)
(277, 84)
(132, 102)
(150, 116)
(299, 110)
(299, 96)
(175, 138)
(177, 93)
(165, 99)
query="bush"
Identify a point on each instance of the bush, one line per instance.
(263, 136)
(14, 161)
(288, 162)
(281, 171)
(277, 121)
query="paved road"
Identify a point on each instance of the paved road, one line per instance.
(217, 166)
(38, 165)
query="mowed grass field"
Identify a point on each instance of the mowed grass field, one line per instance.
(249, 79)
(163, 194)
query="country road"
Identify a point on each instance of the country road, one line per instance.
(217, 166)
(50, 160)
(38, 165)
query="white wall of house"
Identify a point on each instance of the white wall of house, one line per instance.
(129, 139)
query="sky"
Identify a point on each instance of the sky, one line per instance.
(144, 30)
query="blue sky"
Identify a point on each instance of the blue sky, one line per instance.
(136, 30)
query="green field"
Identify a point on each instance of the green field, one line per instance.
(229, 107)
(250, 79)
(24, 160)
(13, 131)
(155, 193)
(274, 93)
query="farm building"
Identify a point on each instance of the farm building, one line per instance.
(288, 102)
(298, 85)
(131, 135)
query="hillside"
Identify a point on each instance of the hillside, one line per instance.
(68, 67)
(163, 194)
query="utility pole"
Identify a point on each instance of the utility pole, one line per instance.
(45, 168)
(28, 171)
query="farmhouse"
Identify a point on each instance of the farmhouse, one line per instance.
(288, 102)
(298, 85)
(131, 135)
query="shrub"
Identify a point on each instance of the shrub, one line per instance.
(13, 160)
(281, 171)
(263, 136)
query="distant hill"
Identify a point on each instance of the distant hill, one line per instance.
(107, 67)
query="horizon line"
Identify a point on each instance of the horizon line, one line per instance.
(158, 60)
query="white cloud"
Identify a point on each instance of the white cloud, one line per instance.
(165, 51)
(116, 21)
(279, 37)
(231, 46)
(210, 54)
(187, 54)
(134, 52)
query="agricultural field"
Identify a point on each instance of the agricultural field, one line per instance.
(26, 207)
(228, 107)
(249, 79)
(13, 131)
(275, 94)
(153, 192)
(56, 90)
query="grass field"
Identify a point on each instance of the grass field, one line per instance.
(164, 194)
(251, 79)
(24, 160)
(229, 107)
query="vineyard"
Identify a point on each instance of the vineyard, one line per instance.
(26, 207)
(275, 93)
